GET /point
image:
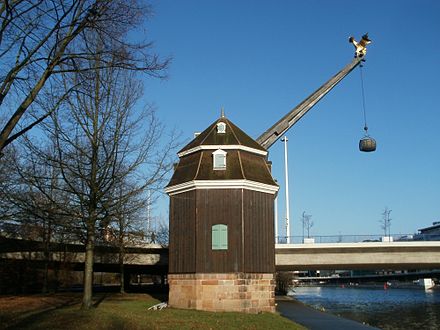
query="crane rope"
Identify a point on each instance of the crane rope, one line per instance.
(363, 100)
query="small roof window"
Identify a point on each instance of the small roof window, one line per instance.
(221, 128)
(219, 159)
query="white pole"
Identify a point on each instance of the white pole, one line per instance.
(276, 219)
(286, 172)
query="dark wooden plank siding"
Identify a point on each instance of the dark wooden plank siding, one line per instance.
(219, 206)
(259, 241)
(182, 233)
(250, 220)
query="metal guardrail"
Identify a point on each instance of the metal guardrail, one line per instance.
(357, 238)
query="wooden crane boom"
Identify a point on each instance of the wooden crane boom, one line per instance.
(268, 138)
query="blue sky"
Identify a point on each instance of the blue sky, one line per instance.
(259, 59)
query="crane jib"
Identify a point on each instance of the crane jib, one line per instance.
(268, 138)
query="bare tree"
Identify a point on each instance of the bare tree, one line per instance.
(162, 234)
(102, 143)
(307, 223)
(43, 39)
(128, 220)
(38, 201)
(7, 184)
(386, 222)
(283, 281)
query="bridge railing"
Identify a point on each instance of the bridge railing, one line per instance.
(357, 238)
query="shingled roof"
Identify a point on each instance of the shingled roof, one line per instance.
(246, 159)
(232, 136)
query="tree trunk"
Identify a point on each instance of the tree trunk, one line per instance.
(46, 274)
(121, 259)
(122, 273)
(88, 267)
(46, 265)
(46, 241)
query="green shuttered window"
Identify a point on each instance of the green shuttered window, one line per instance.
(219, 237)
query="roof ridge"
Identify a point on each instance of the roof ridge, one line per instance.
(198, 166)
(233, 132)
(206, 135)
(234, 135)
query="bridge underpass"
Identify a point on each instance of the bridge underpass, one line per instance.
(385, 277)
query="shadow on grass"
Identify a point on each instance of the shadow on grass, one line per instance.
(159, 292)
(28, 319)
(100, 300)
(64, 311)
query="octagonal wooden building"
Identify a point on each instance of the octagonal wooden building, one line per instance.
(222, 249)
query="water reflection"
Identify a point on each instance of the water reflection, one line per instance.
(385, 309)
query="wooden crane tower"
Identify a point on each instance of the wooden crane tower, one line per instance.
(222, 247)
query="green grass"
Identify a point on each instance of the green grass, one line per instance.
(131, 312)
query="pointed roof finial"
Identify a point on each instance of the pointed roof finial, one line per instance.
(222, 112)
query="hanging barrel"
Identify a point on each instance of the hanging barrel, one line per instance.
(367, 144)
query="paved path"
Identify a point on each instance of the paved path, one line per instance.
(313, 319)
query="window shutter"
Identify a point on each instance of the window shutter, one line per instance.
(219, 237)
(219, 159)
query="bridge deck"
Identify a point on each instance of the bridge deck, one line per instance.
(368, 255)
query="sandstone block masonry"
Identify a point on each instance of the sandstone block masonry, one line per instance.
(233, 292)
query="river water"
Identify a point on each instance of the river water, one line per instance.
(385, 309)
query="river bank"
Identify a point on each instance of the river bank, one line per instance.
(314, 319)
(390, 309)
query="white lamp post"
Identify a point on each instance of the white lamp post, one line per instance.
(276, 220)
(286, 171)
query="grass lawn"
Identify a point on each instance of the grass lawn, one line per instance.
(116, 311)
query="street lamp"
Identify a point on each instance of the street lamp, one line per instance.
(276, 220)
(286, 172)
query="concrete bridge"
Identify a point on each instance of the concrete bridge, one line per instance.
(366, 255)
(153, 259)
(145, 259)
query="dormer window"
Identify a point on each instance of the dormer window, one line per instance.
(221, 128)
(219, 159)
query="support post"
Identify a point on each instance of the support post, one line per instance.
(276, 219)
(286, 171)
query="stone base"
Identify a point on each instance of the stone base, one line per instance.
(233, 292)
